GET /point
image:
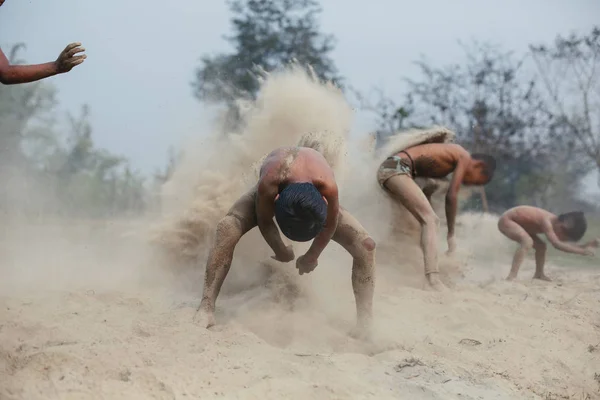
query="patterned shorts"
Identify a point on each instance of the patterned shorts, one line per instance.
(392, 166)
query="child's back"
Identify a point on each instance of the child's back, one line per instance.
(529, 217)
(522, 224)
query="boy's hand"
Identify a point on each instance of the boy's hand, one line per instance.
(588, 252)
(68, 59)
(306, 264)
(286, 256)
(593, 243)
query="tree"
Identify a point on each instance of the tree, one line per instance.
(486, 100)
(390, 117)
(570, 73)
(162, 176)
(91, 181)
(267, 34)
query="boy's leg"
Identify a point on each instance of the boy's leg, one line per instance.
(540, 258)
(409, 194)
(351, 235)
(430, 186)
(240, 218)
(515, 232)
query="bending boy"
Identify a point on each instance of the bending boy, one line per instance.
(296, 186)
(523, 223)
(433, 160)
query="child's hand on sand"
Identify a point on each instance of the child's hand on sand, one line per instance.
(589, 252)
(286, 256)
(593, 243)
(306, 264)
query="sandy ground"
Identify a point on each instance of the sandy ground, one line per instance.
(83, 322)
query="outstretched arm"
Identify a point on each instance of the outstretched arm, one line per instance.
(562, 246)
(265, 211)
(330, 192)
(14, 74)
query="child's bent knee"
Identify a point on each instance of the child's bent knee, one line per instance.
(362, 248)
(431, 220)
(369, 244)
(527, 243)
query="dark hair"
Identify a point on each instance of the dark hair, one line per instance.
(489, 163)
(300, 212)
(574, 225)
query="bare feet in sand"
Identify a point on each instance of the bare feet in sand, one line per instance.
(434, 282)
(542, 277)
(204, 318)
(361, 332)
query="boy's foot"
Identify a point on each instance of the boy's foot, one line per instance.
(204, 318)
(433, 279)
(542, 277)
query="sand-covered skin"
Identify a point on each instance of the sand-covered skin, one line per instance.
(111, 335)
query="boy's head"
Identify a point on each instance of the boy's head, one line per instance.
(573, 225)
(481, 170)
(300, 211)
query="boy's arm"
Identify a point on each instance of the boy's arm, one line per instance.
(562, 246)
(452, 194)
(14, 74)
(265, 210)
(330, 192)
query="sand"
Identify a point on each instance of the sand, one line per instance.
(107, 333)
(95, 310)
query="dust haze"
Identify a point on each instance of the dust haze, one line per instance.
(104, 309)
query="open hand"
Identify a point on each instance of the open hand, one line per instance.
(306, 264)
(588, 252)
(286, 256)
(68, 58)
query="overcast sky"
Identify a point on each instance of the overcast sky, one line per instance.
(142, 54)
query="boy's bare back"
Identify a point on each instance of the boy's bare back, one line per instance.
(296, 164)
(532, 219)
(436, 160)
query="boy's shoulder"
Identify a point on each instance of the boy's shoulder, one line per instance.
(526, 208)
